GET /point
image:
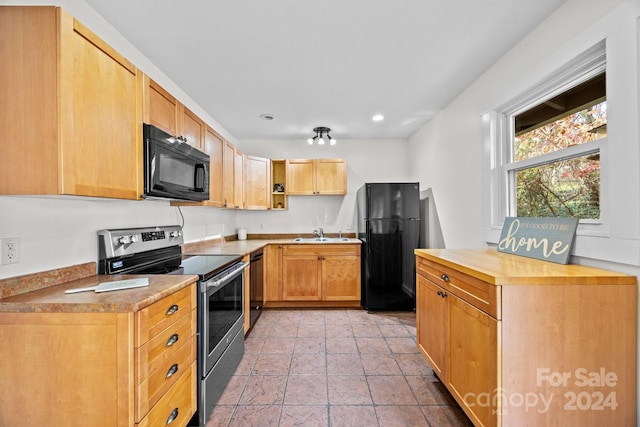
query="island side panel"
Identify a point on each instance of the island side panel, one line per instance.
(569, 355)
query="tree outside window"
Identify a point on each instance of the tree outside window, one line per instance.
(555, 167)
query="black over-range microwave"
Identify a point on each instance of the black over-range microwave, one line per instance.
(173, 169)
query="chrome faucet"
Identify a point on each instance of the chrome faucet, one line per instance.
(319, 232)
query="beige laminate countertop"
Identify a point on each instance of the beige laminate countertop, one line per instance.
(36, 294)
(245, 247)
(501, 269)
(53, 299)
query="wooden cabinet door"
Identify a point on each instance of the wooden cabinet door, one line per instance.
(85, 360)
(473, 358)
(432, 324)
(331, 176)
(300, 177)
(160, 107)
(273, 273)
(192, 128)
(214, 147)
(28, 105)
(301, 278)
(228, 166)
(340, 278)
(238, 179)
(100, 131)
(256, 182)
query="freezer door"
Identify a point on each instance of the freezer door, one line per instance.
(393, 200)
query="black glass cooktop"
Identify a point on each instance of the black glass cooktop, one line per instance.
(207, 265)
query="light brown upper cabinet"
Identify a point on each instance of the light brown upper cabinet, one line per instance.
(316, 177)
(256, 182)
(165, 112)
(192, 128)
(70, 108)
(160, 107)
(233, 177)
(238, 179)
(214, 147)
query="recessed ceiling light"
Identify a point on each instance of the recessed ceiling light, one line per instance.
(377, 118)
(267, 117)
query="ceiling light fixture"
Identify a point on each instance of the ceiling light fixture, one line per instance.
(377, 118)
(321, 133)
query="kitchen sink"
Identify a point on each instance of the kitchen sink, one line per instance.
(321, 239)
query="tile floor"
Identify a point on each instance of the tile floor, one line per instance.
(334, 368)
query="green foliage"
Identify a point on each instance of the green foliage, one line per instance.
(570, 187)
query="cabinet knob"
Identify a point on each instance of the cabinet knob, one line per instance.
(174, 308)
(172, 340)
(444, 277)
(172, 370)
(172, 416)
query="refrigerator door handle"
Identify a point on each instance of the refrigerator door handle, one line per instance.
(368, 237)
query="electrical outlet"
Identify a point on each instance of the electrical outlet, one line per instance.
(9, 250)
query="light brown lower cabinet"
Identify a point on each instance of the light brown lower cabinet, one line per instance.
(101, 369)
(300, 275)
(523, 342)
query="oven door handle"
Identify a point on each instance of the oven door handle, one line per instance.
(229, 277)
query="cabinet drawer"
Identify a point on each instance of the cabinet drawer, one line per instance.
(164, 345)
(163, 373)
(158, 316)
(177, 406)
(482, 295)
(321, 249)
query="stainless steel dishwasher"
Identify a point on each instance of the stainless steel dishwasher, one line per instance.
(256, 277)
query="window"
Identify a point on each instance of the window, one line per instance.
(546, 148)
(554, 161)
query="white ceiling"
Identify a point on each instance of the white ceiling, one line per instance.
(331, 63)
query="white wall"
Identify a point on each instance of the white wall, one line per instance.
(367, 161)
(58, 232)
(447, 153)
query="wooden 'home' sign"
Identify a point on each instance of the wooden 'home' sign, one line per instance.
(548, 239)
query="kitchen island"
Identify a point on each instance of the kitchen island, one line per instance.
(518, 341)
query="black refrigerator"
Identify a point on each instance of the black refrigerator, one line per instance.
(389, 228)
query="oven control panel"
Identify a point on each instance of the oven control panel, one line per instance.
(128, 241)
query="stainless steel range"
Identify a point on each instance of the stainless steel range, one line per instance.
(157, 250)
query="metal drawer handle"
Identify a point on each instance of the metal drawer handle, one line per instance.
(172, 370)
(172, 340)
(444, 277)
(172, 416)
(172, 309)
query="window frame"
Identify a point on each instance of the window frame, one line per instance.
(498, 134)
